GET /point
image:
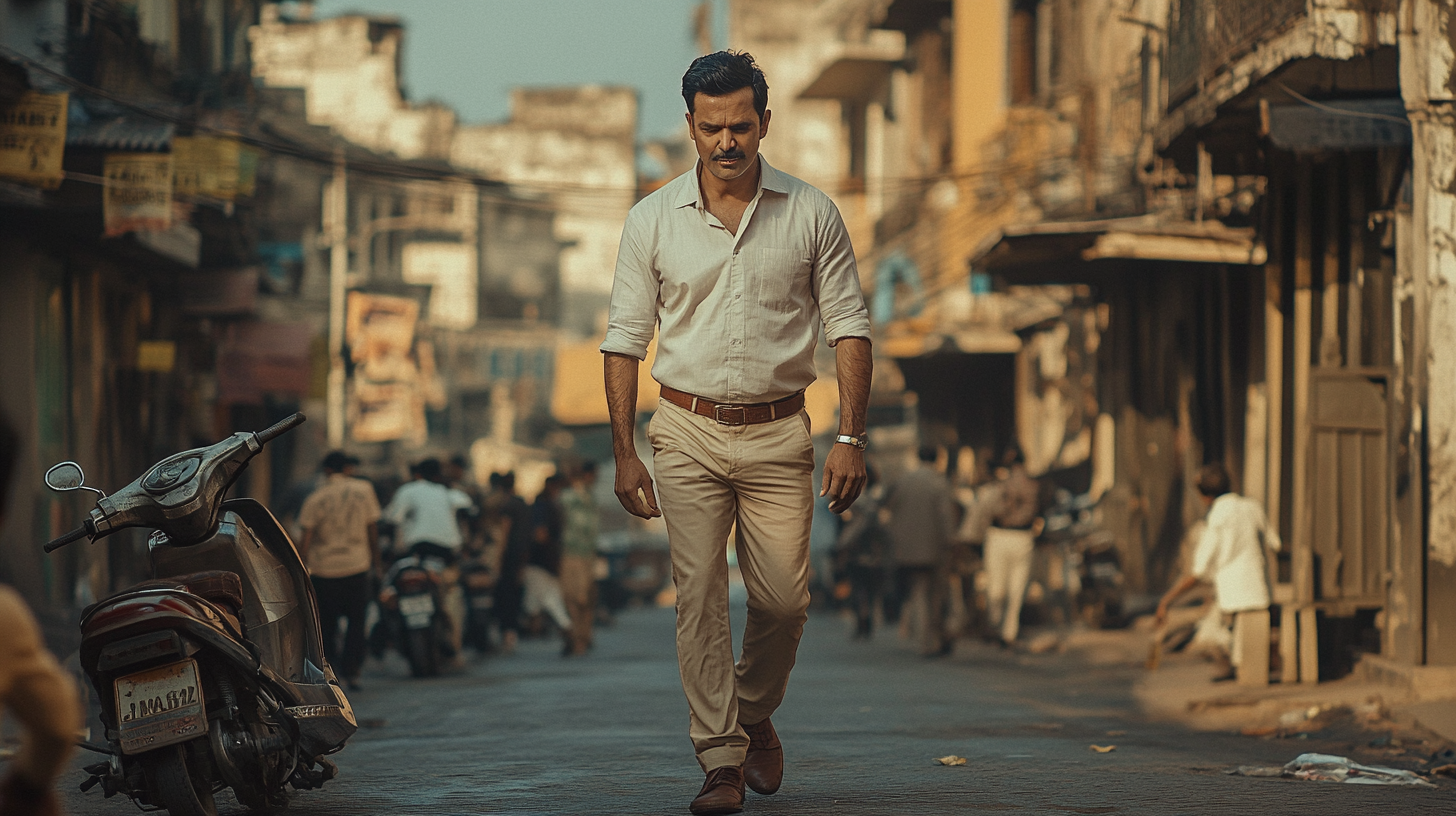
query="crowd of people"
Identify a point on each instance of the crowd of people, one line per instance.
(541, 555)
(902, 552)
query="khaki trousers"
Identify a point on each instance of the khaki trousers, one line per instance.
(756, 479)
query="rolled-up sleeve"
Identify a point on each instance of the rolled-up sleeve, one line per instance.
(836, 279)
(632, 317)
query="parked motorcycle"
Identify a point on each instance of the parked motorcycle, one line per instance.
(210, 675)
(411, 606)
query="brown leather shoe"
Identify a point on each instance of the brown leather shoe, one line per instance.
(763, 768)
(722, 792)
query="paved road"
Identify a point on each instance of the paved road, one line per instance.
(535, 733)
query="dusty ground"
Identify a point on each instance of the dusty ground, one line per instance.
(534, 733)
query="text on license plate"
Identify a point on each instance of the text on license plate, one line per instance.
(412, 605)
(160, 706)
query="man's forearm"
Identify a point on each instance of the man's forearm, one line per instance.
(620, 372)
(854, 365)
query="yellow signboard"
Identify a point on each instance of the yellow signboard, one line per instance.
(206, 166)
(33, 140)
(138, 196)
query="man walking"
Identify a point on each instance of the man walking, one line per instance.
(579, 554)
(922, 522)
(341, 549)
(1230, 555)
(737, 266)
(1010, 544)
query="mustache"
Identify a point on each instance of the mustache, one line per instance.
(731, 154)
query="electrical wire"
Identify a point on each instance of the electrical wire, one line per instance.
(1384, 117)
(405, 171)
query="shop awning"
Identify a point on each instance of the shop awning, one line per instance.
(1133, 239)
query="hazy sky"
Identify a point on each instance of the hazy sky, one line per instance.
(470, 53)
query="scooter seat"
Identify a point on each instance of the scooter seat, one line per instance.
(218, 586)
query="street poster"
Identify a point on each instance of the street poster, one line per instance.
(33, 139)
(138, 195)
(206, 166)
(387, 399)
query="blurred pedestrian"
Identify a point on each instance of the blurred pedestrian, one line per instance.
(458, 475)
(541, 575)
(922, 524)
(340, 547)
(731, 442)
(861, 553)
(33, 688)
(1231, 557)
(579, 555)
(515, 533)
(1010, 543)
(425, 514)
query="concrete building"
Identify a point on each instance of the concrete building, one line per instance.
(577, 148)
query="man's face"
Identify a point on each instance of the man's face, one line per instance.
(727, 130)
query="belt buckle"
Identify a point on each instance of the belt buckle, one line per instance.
(720, 418)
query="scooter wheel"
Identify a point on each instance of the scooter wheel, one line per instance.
(183, 792)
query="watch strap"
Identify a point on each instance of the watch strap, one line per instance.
(860, 442)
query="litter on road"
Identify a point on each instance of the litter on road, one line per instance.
(1330, 768)
(952, 760)
(1103, 749)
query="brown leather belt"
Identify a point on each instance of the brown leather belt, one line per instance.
(725, 413)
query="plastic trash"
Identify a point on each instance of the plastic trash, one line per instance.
(951, 760)
(1330, 768)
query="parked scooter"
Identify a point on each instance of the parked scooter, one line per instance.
(210, 675)
(411, 606)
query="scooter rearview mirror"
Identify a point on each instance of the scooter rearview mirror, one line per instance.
(68, 476)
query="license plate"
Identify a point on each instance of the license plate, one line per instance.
(417, 610)
(161, 706)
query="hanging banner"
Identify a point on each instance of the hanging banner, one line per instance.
(33, 140)
(138, 196)
(206, 167)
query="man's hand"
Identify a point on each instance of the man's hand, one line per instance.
(633, 484)
(844, 476)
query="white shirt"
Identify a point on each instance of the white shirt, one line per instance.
(739, 314)
(1230, 554)
(425, 511)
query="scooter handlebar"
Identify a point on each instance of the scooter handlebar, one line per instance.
(283, 427)
(78, 533)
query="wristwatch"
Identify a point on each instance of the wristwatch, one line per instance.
(860, 442)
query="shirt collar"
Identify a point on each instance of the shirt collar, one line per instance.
(686, 192)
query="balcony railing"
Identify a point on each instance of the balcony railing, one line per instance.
(1205, 36)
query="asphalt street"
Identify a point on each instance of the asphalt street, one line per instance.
(534, 733)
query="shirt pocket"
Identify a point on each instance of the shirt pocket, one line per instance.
(781, 275)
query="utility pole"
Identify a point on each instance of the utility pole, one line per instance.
(336, 215)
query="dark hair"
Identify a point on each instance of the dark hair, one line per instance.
(335, 461)
(723, 72)
(429, 470)
(927, 453)
(459, 460)
(1213, 480)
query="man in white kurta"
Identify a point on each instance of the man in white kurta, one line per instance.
(1230, 556)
